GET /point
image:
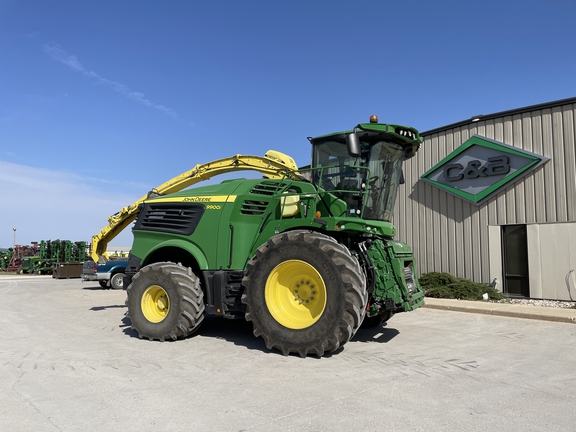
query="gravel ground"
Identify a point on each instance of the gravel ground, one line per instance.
(540, 303)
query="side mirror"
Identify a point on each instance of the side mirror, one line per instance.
(353, 144)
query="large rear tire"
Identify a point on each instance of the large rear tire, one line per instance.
(304, 293)
(165, 301)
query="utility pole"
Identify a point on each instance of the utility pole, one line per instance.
(14, 241)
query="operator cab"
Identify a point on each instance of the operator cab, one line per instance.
(363, 167)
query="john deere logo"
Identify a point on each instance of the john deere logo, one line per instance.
(481, 167)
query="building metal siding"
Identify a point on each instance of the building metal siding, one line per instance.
(554, 276)
(450, 234)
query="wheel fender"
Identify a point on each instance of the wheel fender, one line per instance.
(400, 248)
(118, 268)
(181, 244)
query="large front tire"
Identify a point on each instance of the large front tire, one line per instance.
(165, 301)
(304, 293)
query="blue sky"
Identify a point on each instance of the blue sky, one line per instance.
(100, 101)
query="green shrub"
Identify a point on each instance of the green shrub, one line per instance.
(436, 279)
(444, 285)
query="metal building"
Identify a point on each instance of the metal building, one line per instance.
(494, 197)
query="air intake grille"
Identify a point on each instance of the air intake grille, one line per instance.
(176, 218)
(267, 188)
(255, 208)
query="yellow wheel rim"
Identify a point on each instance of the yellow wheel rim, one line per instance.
(295, 294)
(155, 303)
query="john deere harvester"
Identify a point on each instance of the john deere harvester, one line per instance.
(307, 255)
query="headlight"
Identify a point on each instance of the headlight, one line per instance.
(409, 278)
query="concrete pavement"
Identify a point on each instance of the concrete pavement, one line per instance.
(69, 361)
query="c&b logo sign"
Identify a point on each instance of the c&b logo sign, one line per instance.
(481, 167)
(497, 165)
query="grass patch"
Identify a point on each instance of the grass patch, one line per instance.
(445, 285)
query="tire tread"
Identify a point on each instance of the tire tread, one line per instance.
(353, 280)
(191, 301)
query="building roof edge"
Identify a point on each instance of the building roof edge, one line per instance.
(500, 114)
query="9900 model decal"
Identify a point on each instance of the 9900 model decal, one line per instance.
(213, 207)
